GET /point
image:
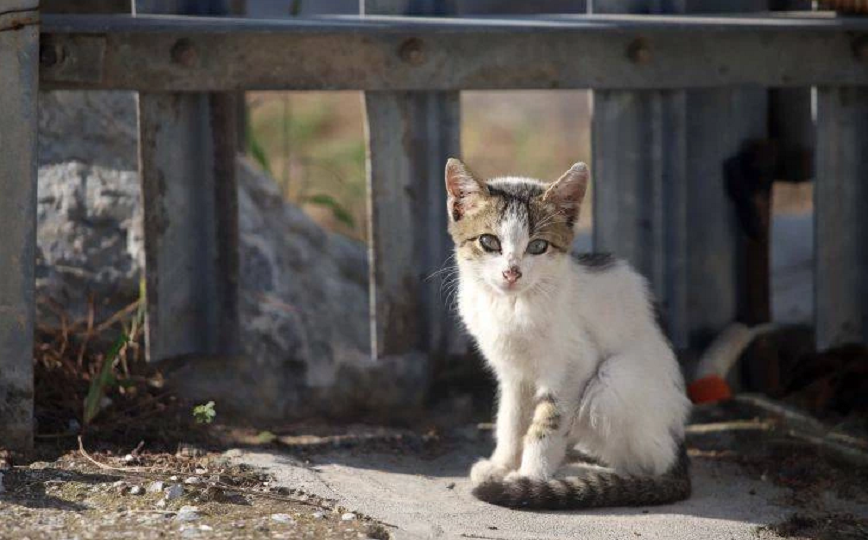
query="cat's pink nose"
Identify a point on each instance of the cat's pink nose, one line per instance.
(512, 274)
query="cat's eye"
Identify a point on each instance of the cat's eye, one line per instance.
(537, 247)
(489, 243)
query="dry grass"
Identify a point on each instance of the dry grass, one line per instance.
(70, 358)
(313, 142)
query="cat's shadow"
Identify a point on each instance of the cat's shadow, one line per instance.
(721, 490)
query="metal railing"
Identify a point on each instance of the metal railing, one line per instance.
(675, 96)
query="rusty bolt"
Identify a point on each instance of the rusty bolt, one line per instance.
(411, 51)
(184, 53)
(860, 48)
(639, 52)
(50, 55)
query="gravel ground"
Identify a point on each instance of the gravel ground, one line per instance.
(164, 496)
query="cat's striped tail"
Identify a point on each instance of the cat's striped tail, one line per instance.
(593, 488)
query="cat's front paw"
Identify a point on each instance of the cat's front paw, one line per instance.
(531, 474)
(514, 476)
(486, 470)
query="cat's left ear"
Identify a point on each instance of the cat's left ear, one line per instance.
(568, 191)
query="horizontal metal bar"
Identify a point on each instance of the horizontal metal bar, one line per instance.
(158, 53)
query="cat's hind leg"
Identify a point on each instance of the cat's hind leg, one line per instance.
(633, 410)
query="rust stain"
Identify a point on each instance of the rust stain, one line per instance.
(19, 20)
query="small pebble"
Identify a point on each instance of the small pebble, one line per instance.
(349, 516)
(206, 528)
(187, 513)
(161, 503)
(174, 492)
(129, 458)
(137, 490)
(173, 478)
(212, 493)
(156, 487)
(285, 519)
(5, 460)
(318, 515)
(193, 480)
(201, 470)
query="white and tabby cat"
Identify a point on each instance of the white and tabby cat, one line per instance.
(578, 355)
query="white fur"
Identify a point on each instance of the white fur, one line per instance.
(587, 337)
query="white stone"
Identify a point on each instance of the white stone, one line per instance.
(137, 490)
(285, 519)
(349, 516)
(318, 515)
(156, 487)
(188, 513)
(193, 480)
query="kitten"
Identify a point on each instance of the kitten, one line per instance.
(575, 348)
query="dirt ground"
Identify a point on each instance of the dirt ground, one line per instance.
(190, 494)
(126, 492)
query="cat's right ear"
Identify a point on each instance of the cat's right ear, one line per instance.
(464, 191)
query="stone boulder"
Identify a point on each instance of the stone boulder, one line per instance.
(304, 297)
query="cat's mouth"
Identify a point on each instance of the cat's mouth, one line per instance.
(509, 287)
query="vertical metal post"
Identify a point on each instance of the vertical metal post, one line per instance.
(841, 217)
(19, 61)
(659, 192)
(790, 123)
(187, 148)
(410, 135)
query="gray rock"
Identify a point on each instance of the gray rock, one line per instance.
(175, 491)
(89, 237)
(303, 290)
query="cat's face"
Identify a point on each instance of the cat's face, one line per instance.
(512, 234)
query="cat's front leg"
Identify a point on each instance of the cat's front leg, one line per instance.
(545, 442)
(513, 419)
